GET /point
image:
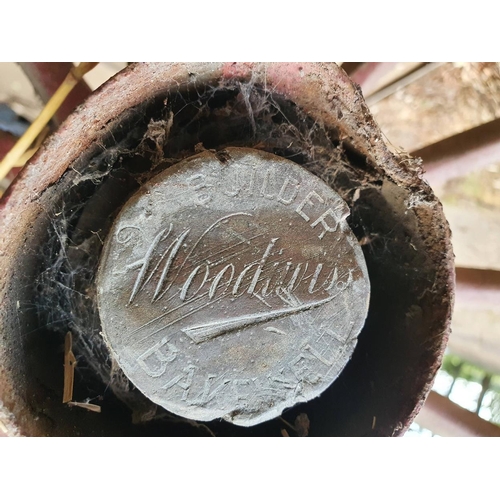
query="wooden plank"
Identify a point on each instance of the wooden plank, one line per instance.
(46, 77)
(461, 154)
(476, 318)
(374, 76)
(445, 418)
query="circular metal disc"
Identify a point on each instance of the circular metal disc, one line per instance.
(231, 286)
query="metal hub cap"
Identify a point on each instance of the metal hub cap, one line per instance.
(231, 286)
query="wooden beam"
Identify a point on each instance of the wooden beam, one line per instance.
(476, 318)
(460, 154)
(446, 418)
(46, 77)
(375, 76)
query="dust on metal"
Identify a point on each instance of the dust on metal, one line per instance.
(231, 286)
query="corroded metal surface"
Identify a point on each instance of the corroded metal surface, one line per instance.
(231, 286)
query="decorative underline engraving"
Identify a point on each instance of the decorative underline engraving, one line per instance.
(286, 296)
(202, 333)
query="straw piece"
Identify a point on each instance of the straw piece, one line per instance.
(25, 141)
(69, 368)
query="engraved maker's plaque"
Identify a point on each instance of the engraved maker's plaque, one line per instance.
(231, 286)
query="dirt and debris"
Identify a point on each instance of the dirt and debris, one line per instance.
(85, 406)
(300, 428)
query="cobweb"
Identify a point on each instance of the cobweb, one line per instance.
(146, 140)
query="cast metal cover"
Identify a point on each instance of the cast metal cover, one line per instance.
(231, 286)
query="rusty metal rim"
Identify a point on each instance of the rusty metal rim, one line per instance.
(321, 90)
